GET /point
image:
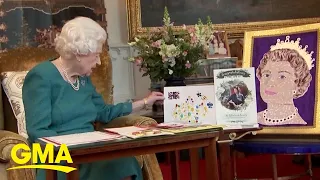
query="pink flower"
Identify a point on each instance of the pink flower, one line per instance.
(156, 44)
(188, 65)
(185, 53)
(164, 59)
(194, 39)
(191, 30)
(138, 61)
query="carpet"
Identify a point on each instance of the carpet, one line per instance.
(254, 166)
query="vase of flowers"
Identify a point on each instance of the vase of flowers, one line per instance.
(165, 54)
(175, 81)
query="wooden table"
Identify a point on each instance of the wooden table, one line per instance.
(224, 147)
(128, 147)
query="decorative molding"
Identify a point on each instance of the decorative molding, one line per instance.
(123, 79)
(120, 52)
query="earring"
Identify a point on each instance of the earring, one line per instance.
(294, 91)
(78, 58)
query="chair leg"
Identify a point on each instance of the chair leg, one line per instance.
(234, 164)
(168, 158)
(309, 165)
(274, 167)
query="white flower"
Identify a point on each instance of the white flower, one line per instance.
(172, 61)
(169, 50)
(132, 43)
(211, 37)
(136, 39)
(170, 71)
(131, 59)
(163, 54)
(167, 21)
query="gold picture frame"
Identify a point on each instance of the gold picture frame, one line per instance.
(257, 53)
(234, 30)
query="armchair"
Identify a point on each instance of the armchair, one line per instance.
(23, 59)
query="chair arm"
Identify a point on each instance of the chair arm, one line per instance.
(7, 141)
(130, 120)
(151, 168)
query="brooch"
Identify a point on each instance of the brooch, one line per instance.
(83, 82)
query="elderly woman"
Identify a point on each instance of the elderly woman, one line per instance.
(283, 76)
(56, 104)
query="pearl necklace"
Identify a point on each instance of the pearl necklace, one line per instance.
(68, 79)
(290, 117)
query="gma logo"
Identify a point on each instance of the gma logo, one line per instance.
(27, 155)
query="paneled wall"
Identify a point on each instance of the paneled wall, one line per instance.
(127, 80)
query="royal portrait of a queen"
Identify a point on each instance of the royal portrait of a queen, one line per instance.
(286, 76)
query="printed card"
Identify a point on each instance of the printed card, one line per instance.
(235, 96)
(189, 104)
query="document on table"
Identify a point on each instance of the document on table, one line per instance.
(138, 132)
(81, 138)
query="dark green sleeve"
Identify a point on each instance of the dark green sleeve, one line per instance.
(36, 94)
(108, 112)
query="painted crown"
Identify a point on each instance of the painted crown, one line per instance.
(295, 45)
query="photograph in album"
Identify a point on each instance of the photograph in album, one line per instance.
(189, 104)
(287, 78)
(235, 96)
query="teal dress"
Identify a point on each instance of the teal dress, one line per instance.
(53, 107)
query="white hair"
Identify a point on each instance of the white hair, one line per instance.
(80, 36)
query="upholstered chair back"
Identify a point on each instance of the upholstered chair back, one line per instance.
(24, 58)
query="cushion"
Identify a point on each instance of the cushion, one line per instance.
(12, 82)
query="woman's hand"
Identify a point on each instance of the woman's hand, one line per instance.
(149, 100)
(153, 97)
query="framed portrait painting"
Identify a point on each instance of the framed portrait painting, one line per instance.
(219, 46)
(286, 63)
(232, 16)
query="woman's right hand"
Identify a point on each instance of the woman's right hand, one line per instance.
(153, 97)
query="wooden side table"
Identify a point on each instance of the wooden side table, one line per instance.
(224, 143)
(224, 148)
